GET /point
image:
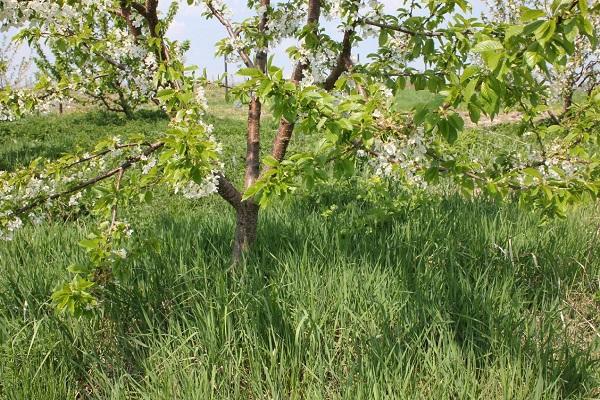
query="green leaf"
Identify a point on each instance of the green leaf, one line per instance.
(253, 190)
(456, 121)
(532, 58)
(165, 94)
(270, 161)
(89, 243)
(513, 30)
(545, 31)
(488, 45)
(528, 14)
(474, 113)
(250, 72)
(532, 172)
(420, 114)
(588, 28)
(492, 58)
(470, 71)
(469, 90)
(383, 37)
(345, 124)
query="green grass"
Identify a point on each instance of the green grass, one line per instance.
(454, 299)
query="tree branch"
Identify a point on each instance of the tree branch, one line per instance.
(344, 61)
(228, 192)
(255, 111)
(284, 132)
(125, 165)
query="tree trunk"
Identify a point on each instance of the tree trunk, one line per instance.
(245, 229)
(567, 100)
(125, 106)
(247, 211)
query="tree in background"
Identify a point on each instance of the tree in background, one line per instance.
(346, 108)
(116, 71)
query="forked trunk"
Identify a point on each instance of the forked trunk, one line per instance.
(245, 229)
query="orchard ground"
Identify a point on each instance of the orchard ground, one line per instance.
(448, 299)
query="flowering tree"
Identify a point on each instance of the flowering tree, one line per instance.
(118, 75)
(347, 107)
(582, 71)
(113, 68)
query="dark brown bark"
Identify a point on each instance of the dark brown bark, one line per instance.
(253, 143)
(254, 115)
(126, 14)
(228, 192)
(343, 63)
(150, 12)
(245, 229)
(282, 139)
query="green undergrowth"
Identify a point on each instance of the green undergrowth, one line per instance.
(447, 299)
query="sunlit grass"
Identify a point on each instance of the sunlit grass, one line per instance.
(453, 299)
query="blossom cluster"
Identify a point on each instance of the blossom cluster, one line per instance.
(208, 186)
(399, 157)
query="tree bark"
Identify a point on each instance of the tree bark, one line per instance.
(567, 100)
(245, 229)
(247, 210)
(286, 128)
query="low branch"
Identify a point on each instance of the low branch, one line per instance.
(105, 152)
(124, 166)
(228, 192)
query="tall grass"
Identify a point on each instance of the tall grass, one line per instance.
(454, 299)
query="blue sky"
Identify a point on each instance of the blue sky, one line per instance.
(203, 34)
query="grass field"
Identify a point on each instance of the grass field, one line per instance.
(454, 299)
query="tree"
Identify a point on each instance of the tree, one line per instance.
(582, 71)
(116, 72)
(347, 107)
